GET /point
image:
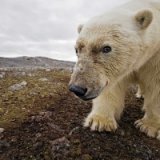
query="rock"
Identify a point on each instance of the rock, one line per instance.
(60, 148)
(1, 130)
(43, 79)
(121, 132)
(30, 74)
(55, 127)
(73, 131)
(1, 110)
(17, 87)
(23, 73)
(42, 116)
(38, 145)
(2, 75)
(24, 83)
(86, 157)
(76, 152)
(34, 92)
(76, 141)
(46, 114)
(38, 135)
(48, 70)
(14, 139)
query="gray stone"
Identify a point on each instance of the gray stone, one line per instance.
(17, 87)
(43, 79)
(1, 130)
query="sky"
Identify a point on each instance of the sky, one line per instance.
(45, 27)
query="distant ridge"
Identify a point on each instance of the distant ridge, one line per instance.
(34, 62)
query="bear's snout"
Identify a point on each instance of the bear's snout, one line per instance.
(77, 90)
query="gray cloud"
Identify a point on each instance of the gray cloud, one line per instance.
(45, 27)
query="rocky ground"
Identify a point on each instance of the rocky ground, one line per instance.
(41, 120)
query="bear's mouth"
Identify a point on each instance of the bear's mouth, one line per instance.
(88, 98)
(91, 94)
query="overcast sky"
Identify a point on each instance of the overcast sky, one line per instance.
(45, 27)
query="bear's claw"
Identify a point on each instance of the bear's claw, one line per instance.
(151, 129)
(100, 123)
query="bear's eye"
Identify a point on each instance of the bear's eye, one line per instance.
(106, 49)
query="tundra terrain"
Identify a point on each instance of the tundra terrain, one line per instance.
(41, 120)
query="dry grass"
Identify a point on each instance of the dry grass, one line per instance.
(16, 105)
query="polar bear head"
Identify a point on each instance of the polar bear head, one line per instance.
(108, 47)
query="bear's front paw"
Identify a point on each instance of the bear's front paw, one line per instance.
(152, 129)
(100, 123)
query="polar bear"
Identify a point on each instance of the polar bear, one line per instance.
(115, 50)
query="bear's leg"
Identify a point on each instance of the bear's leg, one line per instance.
(150, 123)
(107, 108)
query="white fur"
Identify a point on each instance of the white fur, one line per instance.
(145, 71)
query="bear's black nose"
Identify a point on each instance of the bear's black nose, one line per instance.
(78, 91)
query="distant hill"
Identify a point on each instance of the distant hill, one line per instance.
(34, 62)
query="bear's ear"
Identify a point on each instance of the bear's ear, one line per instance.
(144, 18)
(80, 28)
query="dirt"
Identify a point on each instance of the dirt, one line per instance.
(50, 126)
